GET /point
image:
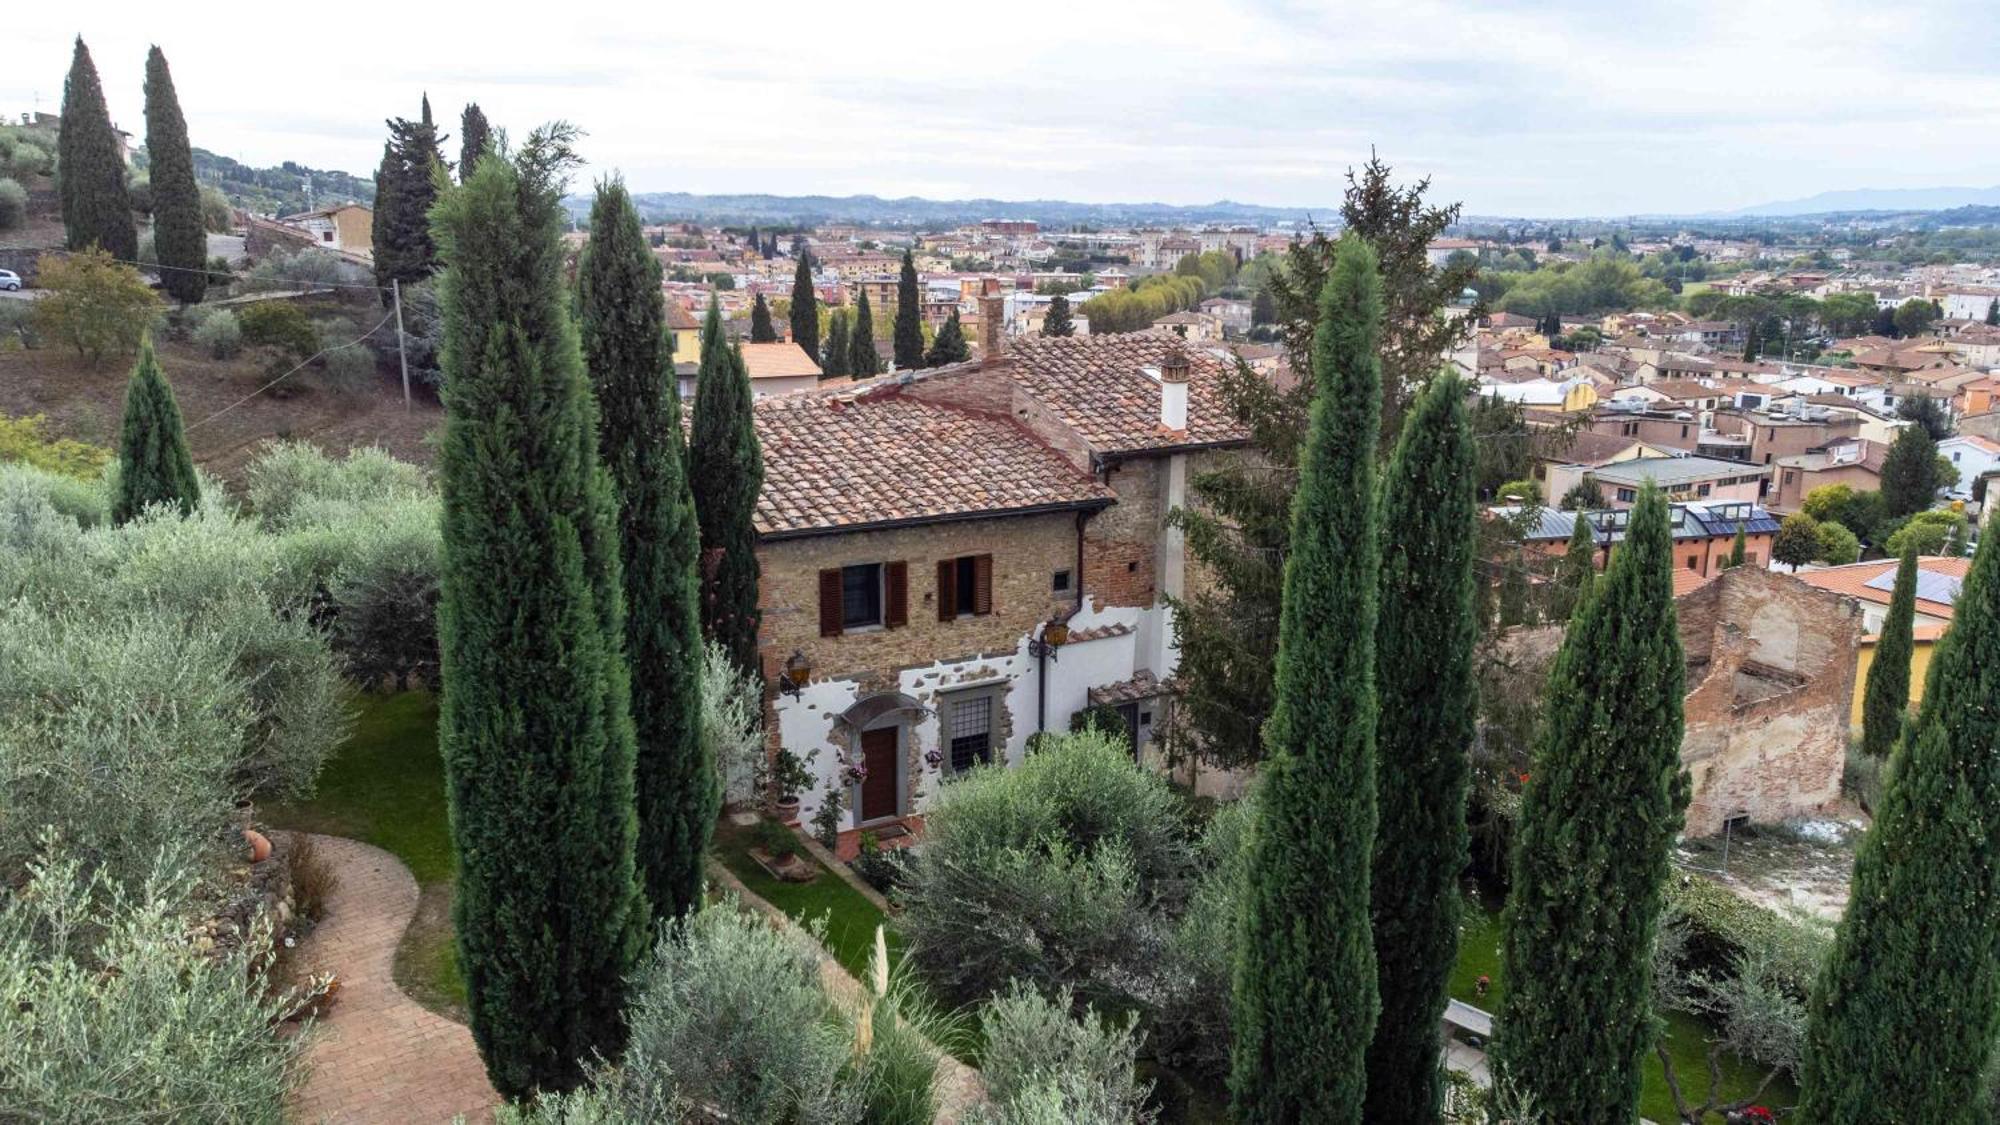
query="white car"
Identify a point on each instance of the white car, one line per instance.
(9, 280)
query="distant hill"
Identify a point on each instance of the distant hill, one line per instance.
(1879, 199)
(280, 190)
(910, 211)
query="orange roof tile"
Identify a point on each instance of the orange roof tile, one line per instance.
(1852, 580)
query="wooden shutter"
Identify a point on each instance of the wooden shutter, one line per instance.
(830, 614)
(982, 584)
(895, 594)
(947, 597)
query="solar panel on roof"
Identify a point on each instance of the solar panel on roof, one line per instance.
(1931, 586)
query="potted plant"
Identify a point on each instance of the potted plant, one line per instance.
(789, 778)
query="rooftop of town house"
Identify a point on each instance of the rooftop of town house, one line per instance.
(1100, 386)
(871, 455)
(1694, 520)
(1938, 580)
(679, 318)
(780, 360)
(1670, 471)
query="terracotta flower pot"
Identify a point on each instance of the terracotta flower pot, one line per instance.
(260, 845)
(788, 810)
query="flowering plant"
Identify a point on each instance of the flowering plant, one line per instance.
(934, 758)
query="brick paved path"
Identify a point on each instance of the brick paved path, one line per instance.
(377, 1055)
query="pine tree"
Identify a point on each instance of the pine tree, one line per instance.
(1901, 1023)
(1576, 572)
(1738, 548)
(1424, 727)
(406, 187)
(836, 345)
(1598, 819)
(949, 347)
(180, 238)
(1909, 472)
(1885, 702)
(1304, 1001)
(154, 466)
(625, 342)
(474, 135)
(862, 358)
(535, 726)
(1058, 321)
(909, 336)
(1993, 311)
(761, 331)
(805, 309)
(90, 167)
(726, 472)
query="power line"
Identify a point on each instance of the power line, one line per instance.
(301, 366)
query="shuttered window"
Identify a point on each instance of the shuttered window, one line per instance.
(863, 596)
(896, 594)
(965, 587)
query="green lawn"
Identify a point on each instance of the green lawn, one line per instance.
(385, 786)
(1479, 953)
(850, 918)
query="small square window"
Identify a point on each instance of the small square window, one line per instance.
(1132, 567)
(1061, 583)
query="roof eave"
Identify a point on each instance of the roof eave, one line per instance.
(1098, 503)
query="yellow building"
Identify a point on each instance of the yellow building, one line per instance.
(1925, 638)
(686, 331)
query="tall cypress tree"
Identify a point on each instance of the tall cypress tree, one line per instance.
(625, 345)
(1304, 1002)
(406, 187)
(90, 167)
(474, 134)
(1909, 472)
(1576, 571)
(862, 358)
(180, 238)
(1424, 636)
(1885, 702)
(949, 347)
(805, 307)
(761, 330)
(535, 726)
(726, 470)
(1058, 321)
(909, 318)
(1901, 1023)
(1598, 818)
(836, 345)
(1739, 547)
(154, 466)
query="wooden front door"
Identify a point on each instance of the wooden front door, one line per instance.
(878, 789)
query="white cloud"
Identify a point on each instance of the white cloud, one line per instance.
(1555, 108)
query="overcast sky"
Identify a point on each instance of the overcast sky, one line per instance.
(1553, 109)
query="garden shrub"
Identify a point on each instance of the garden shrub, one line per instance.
(13, 204)
(877, 866)
(220, 334)
(1724, 927)
(17, 325)
(1191, 1002)
(349, 368)
(95, 973)
(25, 441)
(288, 271)
(732, 710)
(281, 325)
(1041, 1066)
(30, 494)
(93, 304)
(287, 476)
(1058, 872)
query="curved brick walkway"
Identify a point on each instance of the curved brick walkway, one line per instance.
(377, 1055)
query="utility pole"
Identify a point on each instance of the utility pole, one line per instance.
(402, 353)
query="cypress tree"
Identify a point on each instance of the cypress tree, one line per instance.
(180, 238)
(90, 167)
(1598, 817)
(1909, 472)
(805, 308)
(1738, 548)
(862, 358)
(474, 134)
(535, 726)
(1576, 571)
(761, 331)
(1058, 321)
(625, 345)
(836, 345)
(1304, 1001)
(949, 347)
(1993, 312)
(1885, 702)
(154, 466)
(1902, 1020)
(1424, 636)
(406, 187)
(726, 471)
(909, 318)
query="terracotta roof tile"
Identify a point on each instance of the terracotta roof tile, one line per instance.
(1852, 580)
(1097, 385)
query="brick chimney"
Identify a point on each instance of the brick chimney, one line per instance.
(992, 332)
(1174, 390)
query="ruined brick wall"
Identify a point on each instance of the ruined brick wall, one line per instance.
(1119, 559)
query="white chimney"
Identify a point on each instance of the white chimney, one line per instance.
(1174, 390)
